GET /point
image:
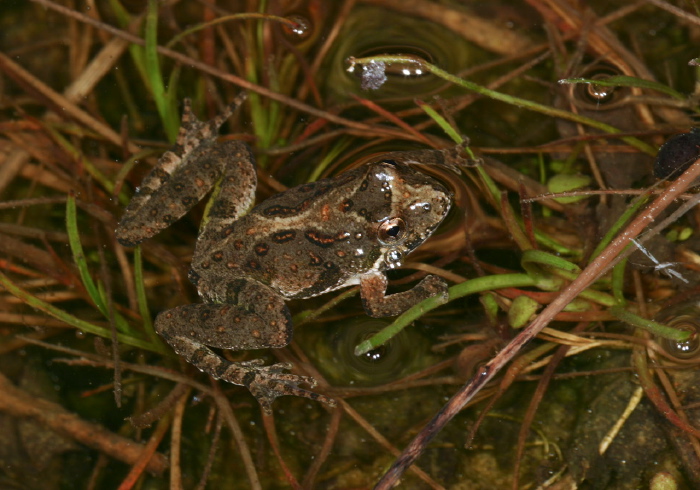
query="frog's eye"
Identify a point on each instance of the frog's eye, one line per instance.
(391, 230)
(389, 162)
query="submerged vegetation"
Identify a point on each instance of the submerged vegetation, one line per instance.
(568, 346)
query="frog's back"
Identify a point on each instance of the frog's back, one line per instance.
(325, 235)
(302, 242)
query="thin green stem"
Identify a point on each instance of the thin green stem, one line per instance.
(69, 319)
(508, 99)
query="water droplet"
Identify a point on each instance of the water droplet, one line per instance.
(300, 30)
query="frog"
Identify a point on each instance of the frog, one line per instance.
(249, 260)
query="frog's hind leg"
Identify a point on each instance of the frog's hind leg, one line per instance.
(182, 177)
(190, 329)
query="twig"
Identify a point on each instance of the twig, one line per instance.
(176, 441)
(20, 404)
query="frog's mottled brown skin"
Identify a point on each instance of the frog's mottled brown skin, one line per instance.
(307, 241)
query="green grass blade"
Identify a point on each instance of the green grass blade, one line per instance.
(329, 157)
(79, 256)
(153, 72)
(69, 319)
(95, 290)
(141, 297)
(440, 121)
(655, 328)
(627, 81)
(618, 282)
(619, 224)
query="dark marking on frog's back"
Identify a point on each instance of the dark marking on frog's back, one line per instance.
(328, 278)
(320, 239)
(288, 211)
(278, 211)
(261, 249)
(322, 189)
(284, 236)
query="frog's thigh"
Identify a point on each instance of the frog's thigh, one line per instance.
(236, 188)
(224, 326)
(154, 208)
(378, 304)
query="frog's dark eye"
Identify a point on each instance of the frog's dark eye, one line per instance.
(389, 162)
(391, 230)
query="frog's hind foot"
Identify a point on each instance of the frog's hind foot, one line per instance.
(268, 382)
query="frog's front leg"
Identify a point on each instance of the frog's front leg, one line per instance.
(258, 319)
(378, 304)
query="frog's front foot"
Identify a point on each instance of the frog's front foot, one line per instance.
(268, 382)
(378, 304)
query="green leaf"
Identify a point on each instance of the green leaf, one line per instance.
(566, 183)
(521, 310)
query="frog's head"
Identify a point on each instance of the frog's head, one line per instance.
(409, 207)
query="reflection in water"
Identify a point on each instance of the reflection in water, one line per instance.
(335, 348)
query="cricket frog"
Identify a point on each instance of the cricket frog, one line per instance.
(306, 241)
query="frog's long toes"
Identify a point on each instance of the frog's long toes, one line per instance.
(252, 363)
(278, 368)
(296, 391)
(267, 384)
